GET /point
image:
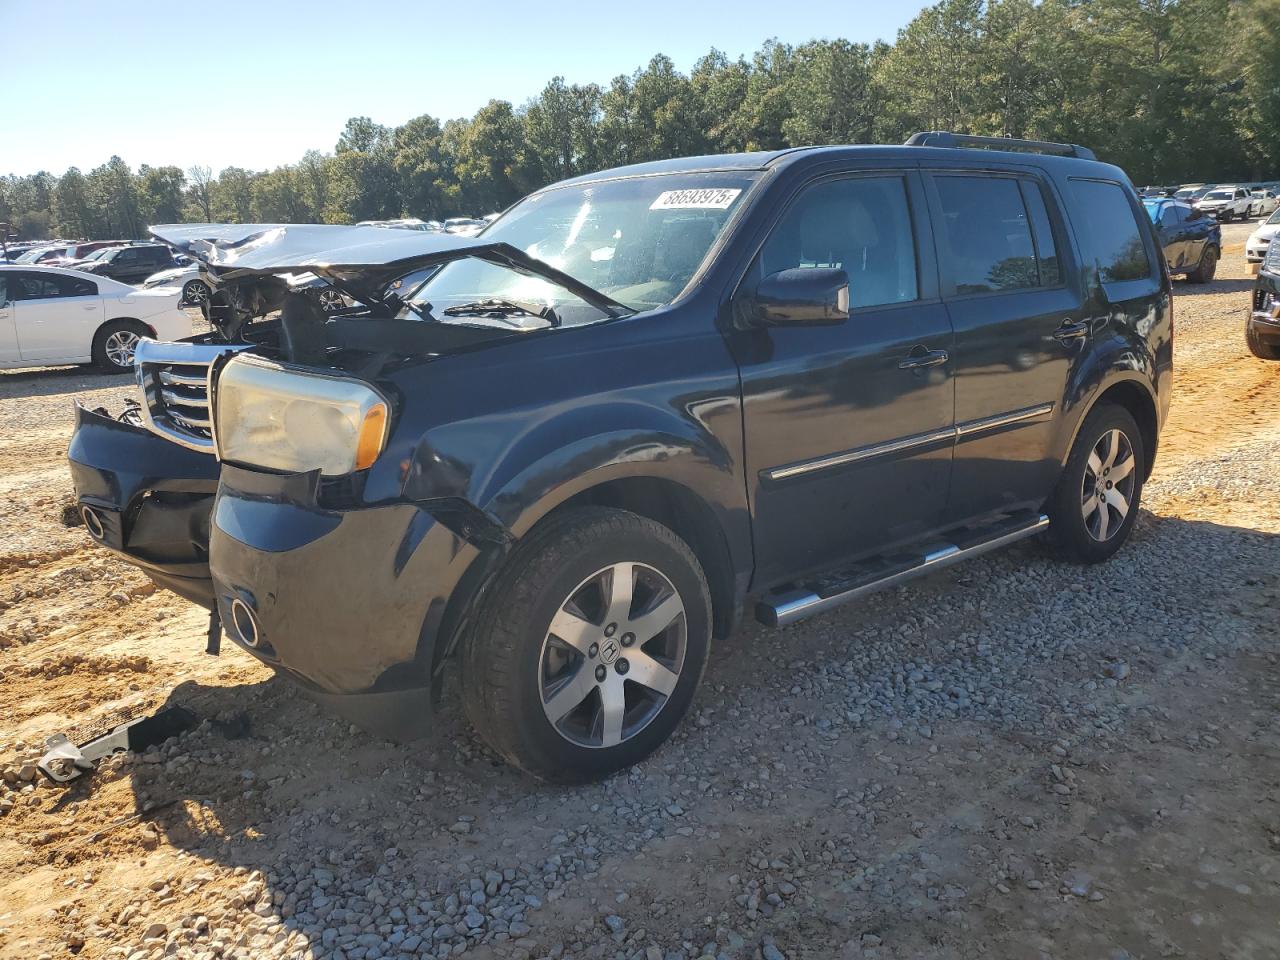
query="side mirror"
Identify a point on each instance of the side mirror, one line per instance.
(817, 295)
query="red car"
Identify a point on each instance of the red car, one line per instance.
(75, 252)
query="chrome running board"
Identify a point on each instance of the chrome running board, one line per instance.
(825, 593)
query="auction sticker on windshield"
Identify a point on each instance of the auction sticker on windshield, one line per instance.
(709, 198)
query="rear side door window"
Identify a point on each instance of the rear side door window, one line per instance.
(1108, 231)
(996, 235)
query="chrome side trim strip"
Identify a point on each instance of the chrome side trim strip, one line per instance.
(903, 444)
(860, 453)
(796, 605)
(969, 427)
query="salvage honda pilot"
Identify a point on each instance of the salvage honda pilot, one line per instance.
(569, 450)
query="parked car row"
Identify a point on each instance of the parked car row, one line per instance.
(1226, 201)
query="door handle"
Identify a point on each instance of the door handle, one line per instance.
(1071, 330)
(921, 357)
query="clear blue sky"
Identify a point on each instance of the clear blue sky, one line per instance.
(254, 84)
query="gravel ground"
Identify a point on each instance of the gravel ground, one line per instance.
(1012, 758)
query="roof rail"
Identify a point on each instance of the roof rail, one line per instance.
(944, 138)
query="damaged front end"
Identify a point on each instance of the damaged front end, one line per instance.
(274, 549)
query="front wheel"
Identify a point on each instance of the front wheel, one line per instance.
(588, 646)
(1094, 507)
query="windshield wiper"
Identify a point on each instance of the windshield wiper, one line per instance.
(503, 308)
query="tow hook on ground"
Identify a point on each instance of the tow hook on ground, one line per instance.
(64, 761)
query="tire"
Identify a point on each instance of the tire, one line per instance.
(113, 345)
(195, 292)
(1089, 528)
(517, 675)
(1206, 268)
(1263, 351)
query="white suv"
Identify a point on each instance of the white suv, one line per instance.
(1226, 203)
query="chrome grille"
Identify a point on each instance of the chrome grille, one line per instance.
(174, 381)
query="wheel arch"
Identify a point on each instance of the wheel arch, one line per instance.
(687, 515)
(1136, 397)
(697, 507)
(102, 327)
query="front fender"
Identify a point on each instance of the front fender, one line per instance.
(548, 467)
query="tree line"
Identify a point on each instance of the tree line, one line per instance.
(1171, 90)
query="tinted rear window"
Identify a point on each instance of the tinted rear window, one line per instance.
(1109, 232)
(997, 234)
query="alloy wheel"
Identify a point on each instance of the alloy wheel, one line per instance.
(196, 292)
(119, 348)
(613, 655)
(331, 300)
(1108, 485)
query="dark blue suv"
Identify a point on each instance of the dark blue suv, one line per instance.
(573, 448)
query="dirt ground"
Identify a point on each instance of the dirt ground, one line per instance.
(1111, 789)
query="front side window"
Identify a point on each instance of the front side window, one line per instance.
(859, 225)
(1109, 232)
(640, 240)
(987, 239)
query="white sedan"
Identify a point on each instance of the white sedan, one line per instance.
(50, 315)
(1255, 248)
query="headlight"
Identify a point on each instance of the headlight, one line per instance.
(276, 417)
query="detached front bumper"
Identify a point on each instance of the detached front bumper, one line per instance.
(147, 500)
(347, 602)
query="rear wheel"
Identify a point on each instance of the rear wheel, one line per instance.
(114, 344)
(589, 647)
(1206, 268)
(1095, 505)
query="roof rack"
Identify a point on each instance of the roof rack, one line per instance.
(944, 138)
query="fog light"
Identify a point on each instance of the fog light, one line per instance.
(92, 522)
(245, 623)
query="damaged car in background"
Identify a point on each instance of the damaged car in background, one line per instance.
(568, 449)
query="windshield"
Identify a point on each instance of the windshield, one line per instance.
(1275, 217)
(30, 255)
(639, 240)
(1218, 195)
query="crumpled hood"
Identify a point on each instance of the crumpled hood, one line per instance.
(230, 248)
(361, 260)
